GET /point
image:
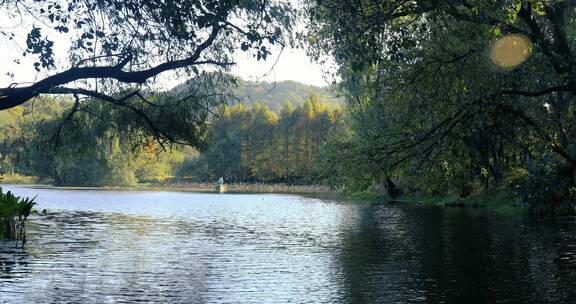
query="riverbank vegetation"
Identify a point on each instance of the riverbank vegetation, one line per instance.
(14, 212)
(244, 142)
(468, 99)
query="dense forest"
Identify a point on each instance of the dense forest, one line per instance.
(258, 145)
(246, 141)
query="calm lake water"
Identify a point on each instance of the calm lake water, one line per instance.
(124, 247)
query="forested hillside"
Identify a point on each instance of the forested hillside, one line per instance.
(256, 144)
(275, 94)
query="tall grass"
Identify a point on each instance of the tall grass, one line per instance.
(15, 178)
(14, 212)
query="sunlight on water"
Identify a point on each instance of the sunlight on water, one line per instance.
(510, 51)
(158, 247)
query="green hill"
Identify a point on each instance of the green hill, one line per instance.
(275, 94)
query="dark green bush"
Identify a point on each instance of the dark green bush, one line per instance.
(546, 188)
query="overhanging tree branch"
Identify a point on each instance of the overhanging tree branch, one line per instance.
(425, 141)
(550, 90)
(14, 96)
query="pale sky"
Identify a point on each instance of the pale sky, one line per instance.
(293, 64)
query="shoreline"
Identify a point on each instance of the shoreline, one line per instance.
(499, 203)
(197, 187)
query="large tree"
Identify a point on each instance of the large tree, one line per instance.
(116, 48)
(458, 85)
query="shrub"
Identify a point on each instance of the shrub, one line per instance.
(14, 212)
(547, 188)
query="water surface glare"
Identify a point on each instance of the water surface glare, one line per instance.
(100, 246)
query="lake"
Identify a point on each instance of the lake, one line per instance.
(97, 246)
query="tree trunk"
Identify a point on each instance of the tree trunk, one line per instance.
(393, 190)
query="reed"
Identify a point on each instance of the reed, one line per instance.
(15, 178)
(14, 212)
(249, 188)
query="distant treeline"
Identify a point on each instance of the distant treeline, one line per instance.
(100, 146)
(258, 145)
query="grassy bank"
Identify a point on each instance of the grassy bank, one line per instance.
(209, 187)
(501, 202)
(15, 178)
(243, 188)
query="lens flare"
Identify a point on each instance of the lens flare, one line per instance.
(510, 51)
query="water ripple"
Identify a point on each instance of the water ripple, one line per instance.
(131, 247)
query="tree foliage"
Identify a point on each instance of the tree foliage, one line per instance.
(258, 145)
(435, 107)
(102, 145)
(116, 49)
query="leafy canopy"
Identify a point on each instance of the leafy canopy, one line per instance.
(116, 49)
